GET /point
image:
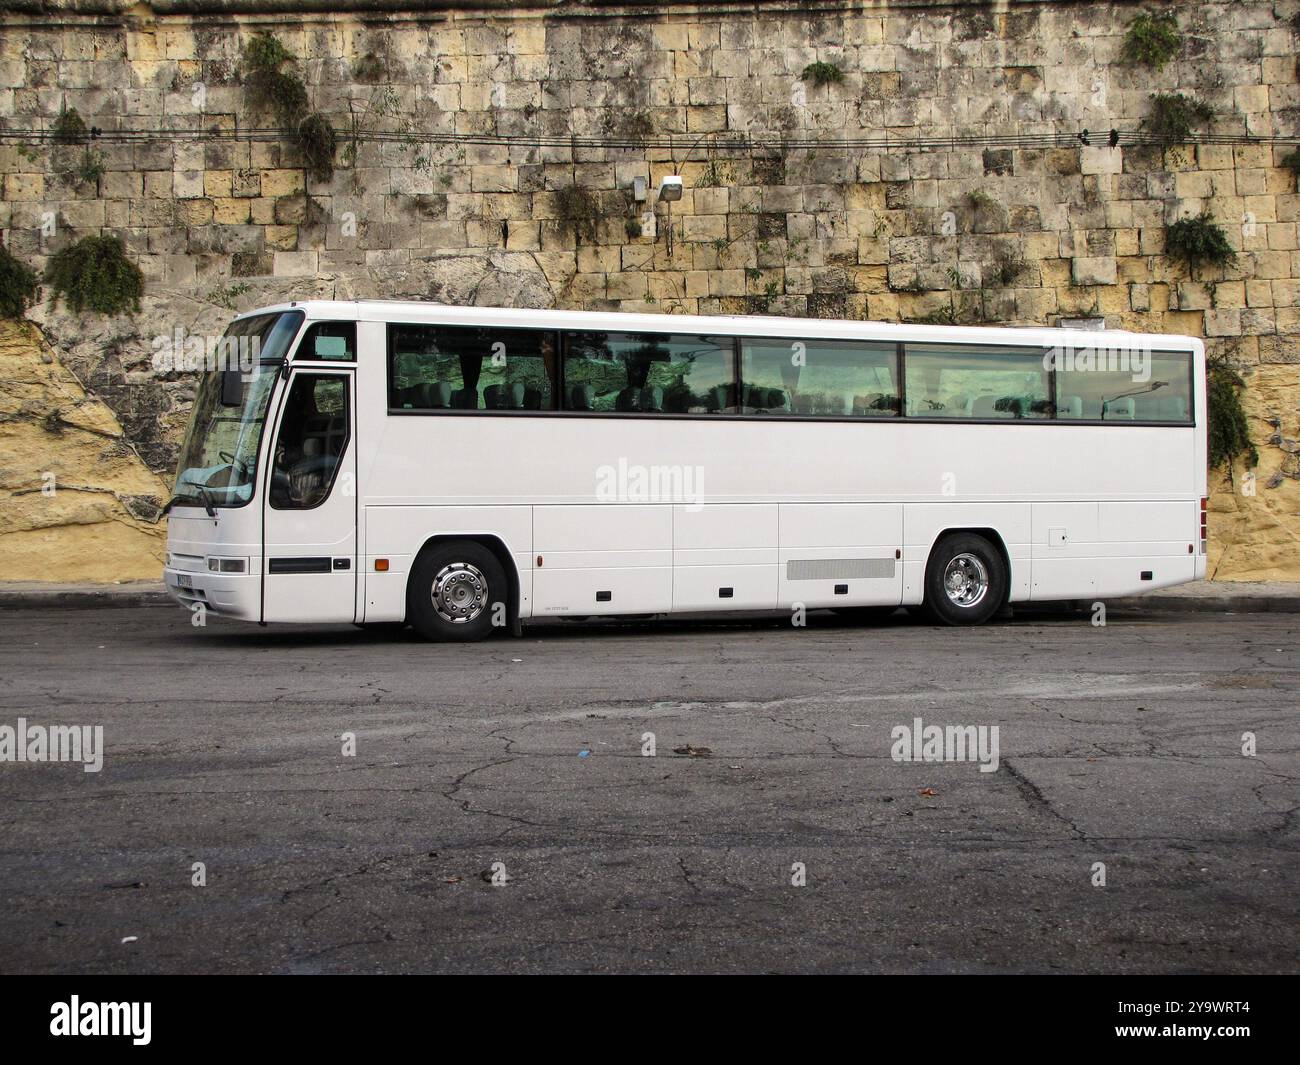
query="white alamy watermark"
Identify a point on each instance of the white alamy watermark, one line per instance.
(1133, 358)
(75, 1017)
(920, 742)
(632, 483)
(182, 351)
(53, 743)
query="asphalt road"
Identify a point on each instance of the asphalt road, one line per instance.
(1120, 745)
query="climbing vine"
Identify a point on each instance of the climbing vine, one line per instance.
(17, 285)
(1229, 432)
(271, 74)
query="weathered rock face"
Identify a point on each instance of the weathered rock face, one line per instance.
(1028, 229)
(1255, 515)
(77, 503)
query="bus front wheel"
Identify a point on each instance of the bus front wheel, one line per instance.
(965, 580)
(458, 591)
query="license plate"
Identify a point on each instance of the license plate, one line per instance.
(184, 581)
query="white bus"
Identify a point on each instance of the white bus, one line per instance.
(462, 469)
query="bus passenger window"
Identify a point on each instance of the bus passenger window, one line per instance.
(982, 384)
(649, 373)
(1108, 386)
(313, 436)
(466, 368)
(823, 378)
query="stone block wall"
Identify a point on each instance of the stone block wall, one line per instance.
(941, 178)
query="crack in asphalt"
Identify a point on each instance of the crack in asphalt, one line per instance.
(1035, 799)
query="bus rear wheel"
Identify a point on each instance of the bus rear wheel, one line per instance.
(965, 580)
(457, 591)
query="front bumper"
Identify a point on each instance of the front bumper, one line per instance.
(234, 595)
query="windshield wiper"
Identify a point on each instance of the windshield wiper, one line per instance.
(204, 495)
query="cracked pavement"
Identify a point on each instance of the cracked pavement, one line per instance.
(1119, 745)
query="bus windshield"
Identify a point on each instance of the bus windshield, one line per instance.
(218, 461)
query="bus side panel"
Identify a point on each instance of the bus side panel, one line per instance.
(924, 522)
(603, 559)
(396, 534)
(1155, 538)
(724, 557)
(850, 546)
(1064, 549)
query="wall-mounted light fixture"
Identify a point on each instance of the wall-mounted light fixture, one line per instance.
(670, 188)
(670, 191)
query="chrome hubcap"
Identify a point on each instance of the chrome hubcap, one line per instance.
(965, 580)
(459, 593)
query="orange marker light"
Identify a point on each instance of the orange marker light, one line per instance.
(381, 565)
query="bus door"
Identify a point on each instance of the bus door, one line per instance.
(309, 510)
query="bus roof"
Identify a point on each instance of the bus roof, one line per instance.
(422, 311)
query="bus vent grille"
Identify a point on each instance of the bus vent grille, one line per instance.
(837, 569)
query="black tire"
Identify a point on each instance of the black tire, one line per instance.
(474, 592)
(978, 574)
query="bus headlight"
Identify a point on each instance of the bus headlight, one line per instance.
(228, 565)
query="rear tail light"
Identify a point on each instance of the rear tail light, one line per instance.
(1204, 523)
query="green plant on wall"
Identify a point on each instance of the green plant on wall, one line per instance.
(820, 74)
(1229, 432)
(578, 209)
(88, 168)
(1173, 116)
(317, 140)
(1152, 39)
(226, 297)
(1198, 241)
(95, 274)
(69, 127)
(365, 117)
(17, 285)
(271, 75)
(714, 175)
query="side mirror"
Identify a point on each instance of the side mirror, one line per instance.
(232, 388)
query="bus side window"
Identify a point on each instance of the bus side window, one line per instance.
(1154, 387)
(470, 368)
(649, 373)
(824, 378)
(313, 436)
(980, 383)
